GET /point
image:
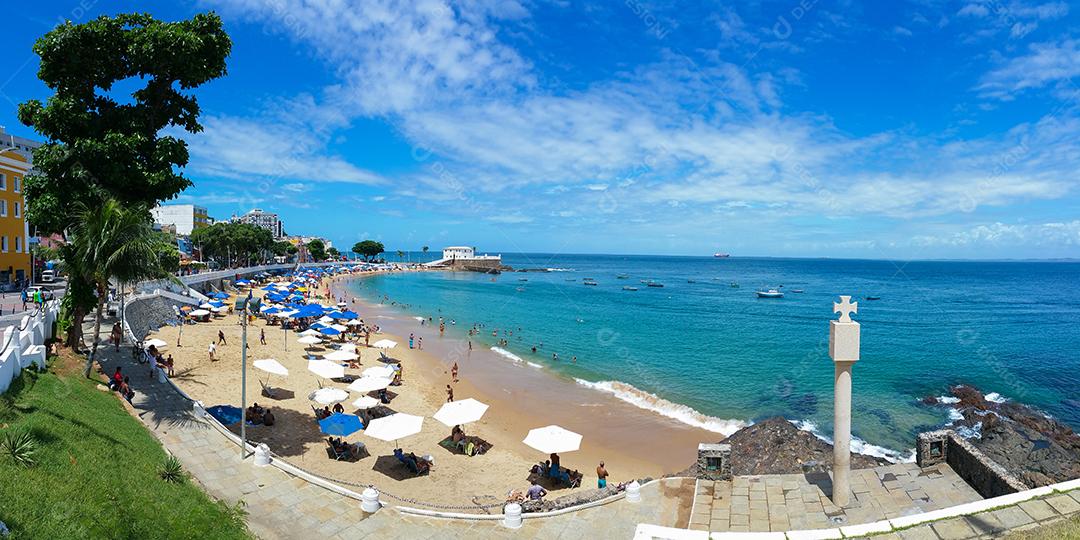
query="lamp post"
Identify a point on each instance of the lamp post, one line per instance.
(844, 351)
(243, 380)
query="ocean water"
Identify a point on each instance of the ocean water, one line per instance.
(705, 353)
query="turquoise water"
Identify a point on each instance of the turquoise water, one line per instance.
(1006, 327)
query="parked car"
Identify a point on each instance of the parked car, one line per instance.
(45, 293)
(48, 276)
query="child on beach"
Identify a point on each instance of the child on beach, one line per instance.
(454, 370)
(449, 394)
(211, 349)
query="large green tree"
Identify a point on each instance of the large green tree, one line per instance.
(112, 241)
(317, 249)
(233, 243)
(368, 249)
(103, 145)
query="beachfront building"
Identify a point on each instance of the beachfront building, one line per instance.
(184, 218)
(20, 145)
(14, 235)
(458, 252)
(266, 220)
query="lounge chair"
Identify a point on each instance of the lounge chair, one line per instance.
(335, 453)
(268, 390)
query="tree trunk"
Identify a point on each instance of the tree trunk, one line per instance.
(74, 337)
(97, 335)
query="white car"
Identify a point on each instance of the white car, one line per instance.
(48, 276)
(45, 293)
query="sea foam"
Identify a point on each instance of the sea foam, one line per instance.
(860, 446)
(651, 402)
(995, 397)
(507, 354)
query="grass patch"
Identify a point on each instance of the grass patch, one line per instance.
(1068, 529)
(96, 471)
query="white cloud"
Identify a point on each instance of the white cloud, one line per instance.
(901, 31)
(997, 233)
(973, 10)
(1044, 64)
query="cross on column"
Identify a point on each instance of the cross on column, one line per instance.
(844, 351)
(845, 308)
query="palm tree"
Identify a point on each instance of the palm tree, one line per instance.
(112, 242)
(424, 249)
(401, 255)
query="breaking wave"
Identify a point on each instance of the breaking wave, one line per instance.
(860, 446)
(651, 402)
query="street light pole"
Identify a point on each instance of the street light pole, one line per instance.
(243, 383)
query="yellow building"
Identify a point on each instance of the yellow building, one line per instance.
(14, 248)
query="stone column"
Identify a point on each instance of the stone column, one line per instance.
(844, 351)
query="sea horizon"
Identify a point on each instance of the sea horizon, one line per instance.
(390, 255)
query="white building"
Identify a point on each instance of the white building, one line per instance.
(266, 220)
(21, 145)
(458, 252)
(185, 217)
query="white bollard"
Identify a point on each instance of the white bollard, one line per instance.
(262, 455)
(199, 409)
(369, 500)
(633, 492)
(512, 516)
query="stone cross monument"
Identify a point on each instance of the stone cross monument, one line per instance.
(844, 351)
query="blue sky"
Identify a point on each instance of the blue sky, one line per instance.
(918, 129)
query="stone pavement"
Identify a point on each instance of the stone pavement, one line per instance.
(280, 505)
(796, 502)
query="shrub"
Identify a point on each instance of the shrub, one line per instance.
(20, 447)
(172, 471)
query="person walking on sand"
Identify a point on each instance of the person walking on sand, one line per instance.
(211, 350)
(601, 476)
(449, 394)
(116, 333)
(262, 336)
(221, 337)
(420, 342)
(453, 372)
(411, 338)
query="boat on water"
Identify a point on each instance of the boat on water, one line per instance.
(654, 284)
(521, 289)
(734, 285)
(523, 279)
(797, 291)
(719, 255)
(593, 283)
(770, 293)
(629, 288)
(873, 298)
(691, 281)
(571, 279)
(622, 276)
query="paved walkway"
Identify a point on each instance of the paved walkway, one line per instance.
(283, 506)
(795, 501)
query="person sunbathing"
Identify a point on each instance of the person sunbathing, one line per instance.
(458, 436)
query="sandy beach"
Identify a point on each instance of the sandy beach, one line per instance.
(634, 443)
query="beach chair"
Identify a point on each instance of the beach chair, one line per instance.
(334, 453)
(268, 390)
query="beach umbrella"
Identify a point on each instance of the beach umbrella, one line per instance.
(394, 427)
(199, 313)
(207, 305)
(384, 344)
(325, 369)
(328, 396)
(350, 347)
(364, 385)
(154, 342)
(355, 322)
(270, 365)
(339, 328)
(220, 296)
(309, 340)
(340, 424)
(326, 320)
(461, 412)
(366, 402)
(341, 356)
(309, 332)
(379, 371)
(553, 440)
(329, 331)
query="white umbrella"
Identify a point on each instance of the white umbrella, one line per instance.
(328, 396)
(199, 313)
(461, 412)
(364, 385)
(339, 327)
(220, 309)
(394, 427)
(379, 371)
(309, 340)
(272, 366)
(341, 356)
(553, 440)
(351, 347)
(326, 370)
(366, 402)
(154, 342)
(325, 320)
(355, 322)
(206, 305)
(310, 332)
(384, 344)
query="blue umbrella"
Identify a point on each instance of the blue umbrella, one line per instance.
(215, 303)
(340, 424)
(349, 315)
(329, 331)
(220, 296)
(272, 311)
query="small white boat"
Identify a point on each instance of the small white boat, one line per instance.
(593, 283)
(655, 284)
(629, 288)
(771, 293)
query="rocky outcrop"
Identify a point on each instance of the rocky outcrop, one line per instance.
(1037, 449)
(776, 446)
